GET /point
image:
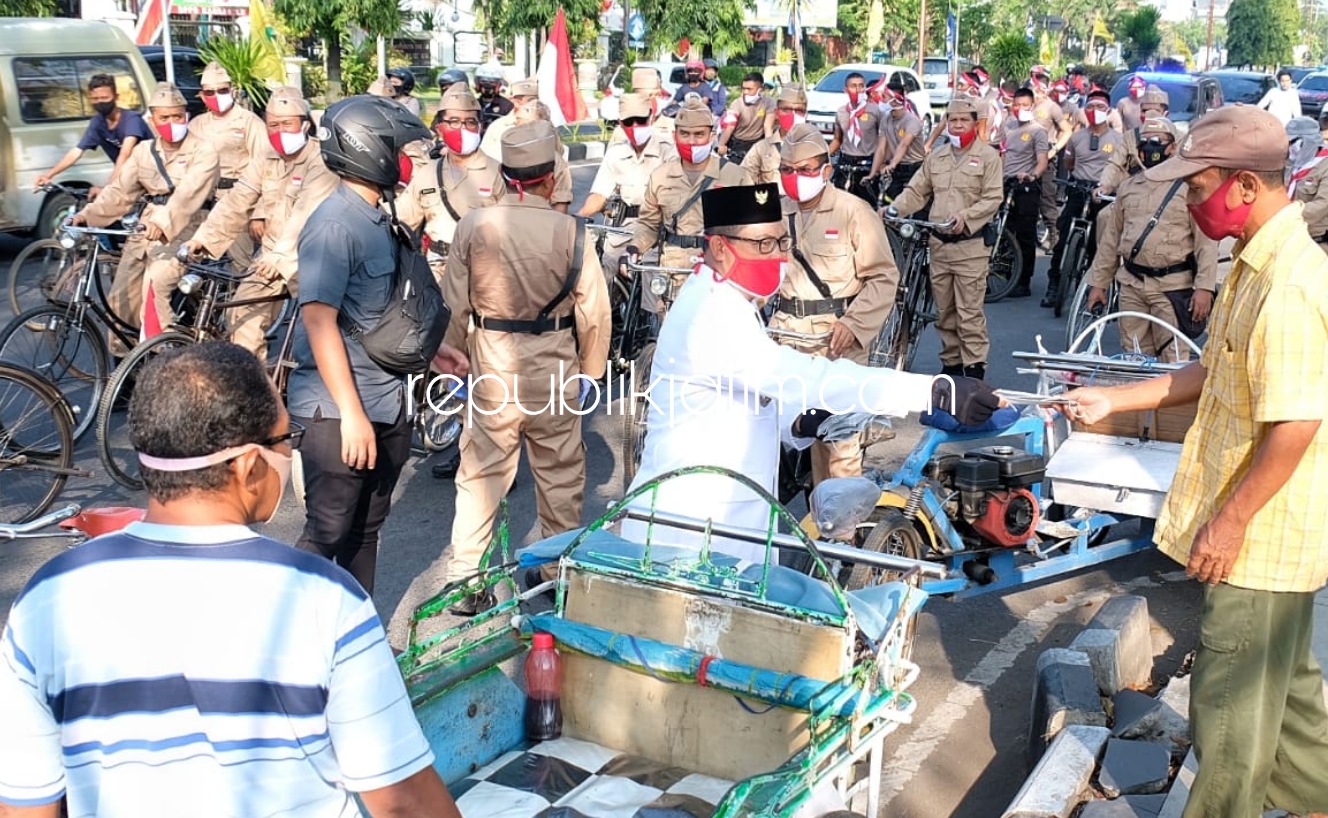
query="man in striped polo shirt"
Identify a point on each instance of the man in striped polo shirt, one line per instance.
(189, 666)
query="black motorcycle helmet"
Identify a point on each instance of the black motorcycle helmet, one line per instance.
(361, 138)
(450, 77)
(406, 76)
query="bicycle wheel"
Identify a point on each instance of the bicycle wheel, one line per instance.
(1003, 267)
(44, 271)
(923, 313)
(636, 413)
(69, 352)
(1069, 278)
(36, 444)
(114, 447)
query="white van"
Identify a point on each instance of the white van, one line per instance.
(45, 65)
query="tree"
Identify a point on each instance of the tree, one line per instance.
(717, 23)
(512, 17)
(331, 20)
(1261, 32)
(27, 8)
(1009, 56)
(1140, 35)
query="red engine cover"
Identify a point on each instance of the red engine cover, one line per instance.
(1009, 517)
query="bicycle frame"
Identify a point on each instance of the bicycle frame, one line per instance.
(90, 294)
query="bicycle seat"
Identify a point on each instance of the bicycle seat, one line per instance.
(97, 521)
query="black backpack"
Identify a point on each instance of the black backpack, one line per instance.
(412, 327)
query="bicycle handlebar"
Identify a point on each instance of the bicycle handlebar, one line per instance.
(654, 268)
(792, 335)
(609, 228)
(1080, 184)
(926, 225)
(80, 193)
(12, 531)
(78, 229)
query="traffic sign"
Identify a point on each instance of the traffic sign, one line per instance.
(636, 26)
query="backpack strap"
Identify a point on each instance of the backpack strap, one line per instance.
(1148, 228)
(821, 286)
(573, 274)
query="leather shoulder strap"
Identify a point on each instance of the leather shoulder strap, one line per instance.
(1148, 228)
(812, 276)
(161, 167)
(573, 273)
(442, 193)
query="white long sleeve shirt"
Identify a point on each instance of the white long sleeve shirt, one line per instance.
(1285, 105)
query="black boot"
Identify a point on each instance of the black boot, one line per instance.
(976, 371)
(1021, 290)
(474, 604)
(447, 469)
(1049, 300)
(952, 369)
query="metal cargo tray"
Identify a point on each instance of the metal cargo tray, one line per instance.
(1114, 474)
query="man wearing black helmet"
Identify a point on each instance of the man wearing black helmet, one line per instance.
(451, 77)
(493, 105)
(403, 82)
(358, 431)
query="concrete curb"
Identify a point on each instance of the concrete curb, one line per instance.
(1118, 644)
(585, 151)
(1060, 779)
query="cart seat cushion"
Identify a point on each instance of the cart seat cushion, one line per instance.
(567, 777)
(874, 607)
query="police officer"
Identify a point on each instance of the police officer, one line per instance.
(539, 322)
(1154, 103)
(962, 179)
(1306, 172)
(626, 170)
(493, 105)
(750, 119)
(461, 179)
(841, 274)
(281, 190)
(857, 132)
(1085, 158)
(1159, 257)
(762, 161)
(1025, 162)
(671, 211)
(177, 174)
(900, 152)
(524, 92)
(402, 82)
(1130, 107)
(238, 137)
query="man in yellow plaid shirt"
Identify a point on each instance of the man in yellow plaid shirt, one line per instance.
(1246, 513)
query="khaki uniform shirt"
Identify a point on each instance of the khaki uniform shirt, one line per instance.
(1173, 239)
(1312, 192)
(286, 191)
(508, 262)
(845, 242)
(477, 184)
(1024, 144)
(894, 130)
(628, 172)
(1090, 162)
(1052, 118)
(868, 120)
(492, 143)
(967, 183)
(762, 161)
(192, 166)
(668, 190)
(1130, 115)
(1121, 164)
(239, 138)
(751, 118)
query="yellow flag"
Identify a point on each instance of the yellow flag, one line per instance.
(1100, 30)
(1045, 53)
(263, 34)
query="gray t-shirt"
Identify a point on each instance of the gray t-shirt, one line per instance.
(1092, 152)
(1023, 144)
(347, 258)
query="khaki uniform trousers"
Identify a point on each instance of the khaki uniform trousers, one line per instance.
(250, 324)
(959, 284)
(1151, 339)
(840, 458)
(1047, 207)
(164, 272)
(490, 452)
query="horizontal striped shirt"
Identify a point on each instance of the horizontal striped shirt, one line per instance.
(201, 671)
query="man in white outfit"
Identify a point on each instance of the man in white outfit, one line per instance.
(725, 394)
(1283, 101)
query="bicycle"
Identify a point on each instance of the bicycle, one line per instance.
(203, 296)
(53, 259)
(850, 174)
(65, 340)
(1079, 316)
(1074, 256)
(896, 345)
(36, 444)
(1006, 259)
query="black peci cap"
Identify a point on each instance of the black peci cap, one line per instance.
(741, 204)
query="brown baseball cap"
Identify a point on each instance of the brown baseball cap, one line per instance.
(803, 142)
(1236, 137)
(529, 145)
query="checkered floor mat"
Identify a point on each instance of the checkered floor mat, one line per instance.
(567, 778)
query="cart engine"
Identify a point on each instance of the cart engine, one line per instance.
(991, 484)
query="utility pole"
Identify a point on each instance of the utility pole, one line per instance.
(627, 15)
(922, 39)
(1208, 49)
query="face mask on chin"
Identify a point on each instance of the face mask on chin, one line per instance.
(801, 188)
(461, 141)
(173, 132)
(695, 154)
(758, 277)
(788, 119)
(1215, 219)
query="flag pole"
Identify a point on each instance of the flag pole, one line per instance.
(166, 40)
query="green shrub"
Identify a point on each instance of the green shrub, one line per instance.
(731, 75)
(241, 59)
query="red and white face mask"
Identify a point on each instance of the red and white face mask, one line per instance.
(1096, 116)
(695, 154)
(287, 144)
(788, 119)
(800, 187)
(461, 141)
(219, 103)
(173, 132)
(405, 170)
(639, 135)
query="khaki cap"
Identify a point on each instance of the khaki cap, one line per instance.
(694, 114)
(166, 96)
(529, 145)
(803, 142)
(645, 79)
(962, 104)
(287, 101)
(1156, 126)
(1235, 137)
(215, 74)
(634, 105)
(1156, 96)
(458, 98)
(793, 95)
(381, 87)
(526, 88)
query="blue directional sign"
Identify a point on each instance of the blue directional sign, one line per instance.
(636, 26)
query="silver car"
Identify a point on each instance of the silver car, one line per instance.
(936, 79)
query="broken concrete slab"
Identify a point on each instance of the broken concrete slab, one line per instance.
(1134, 768)
(1172, 725)
(1119, 644)
(1174, 806)
(1134, 714)
(1064, 693)
(1130, 806)
(1059, 781)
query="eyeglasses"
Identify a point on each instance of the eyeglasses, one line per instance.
(210, 92)
(785, 170)
(292, 437)
(767, 245)
(469, 124)
(633, 121)
(783, 109)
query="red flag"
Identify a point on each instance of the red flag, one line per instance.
(150, 21)
(557, 76)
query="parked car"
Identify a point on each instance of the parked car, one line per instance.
(1299, 72)
(189, 65)
(937, 80)
(1313, 90)
(1245, 87)
(829, 95)
(1192, 95)
(45, 65)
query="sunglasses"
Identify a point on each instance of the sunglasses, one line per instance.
(786, 170)
(293, 437)
(767, 246)
(210, 92)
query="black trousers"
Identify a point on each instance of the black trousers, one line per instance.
(899, 179)
(1074, 203)
(345, 508)
(1022, 222)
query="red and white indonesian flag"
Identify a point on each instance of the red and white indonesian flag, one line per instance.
(150, 20)
(557, 76)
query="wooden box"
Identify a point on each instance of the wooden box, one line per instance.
(1168, 425)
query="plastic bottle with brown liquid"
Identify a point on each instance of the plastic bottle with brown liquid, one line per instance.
(544, 683)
